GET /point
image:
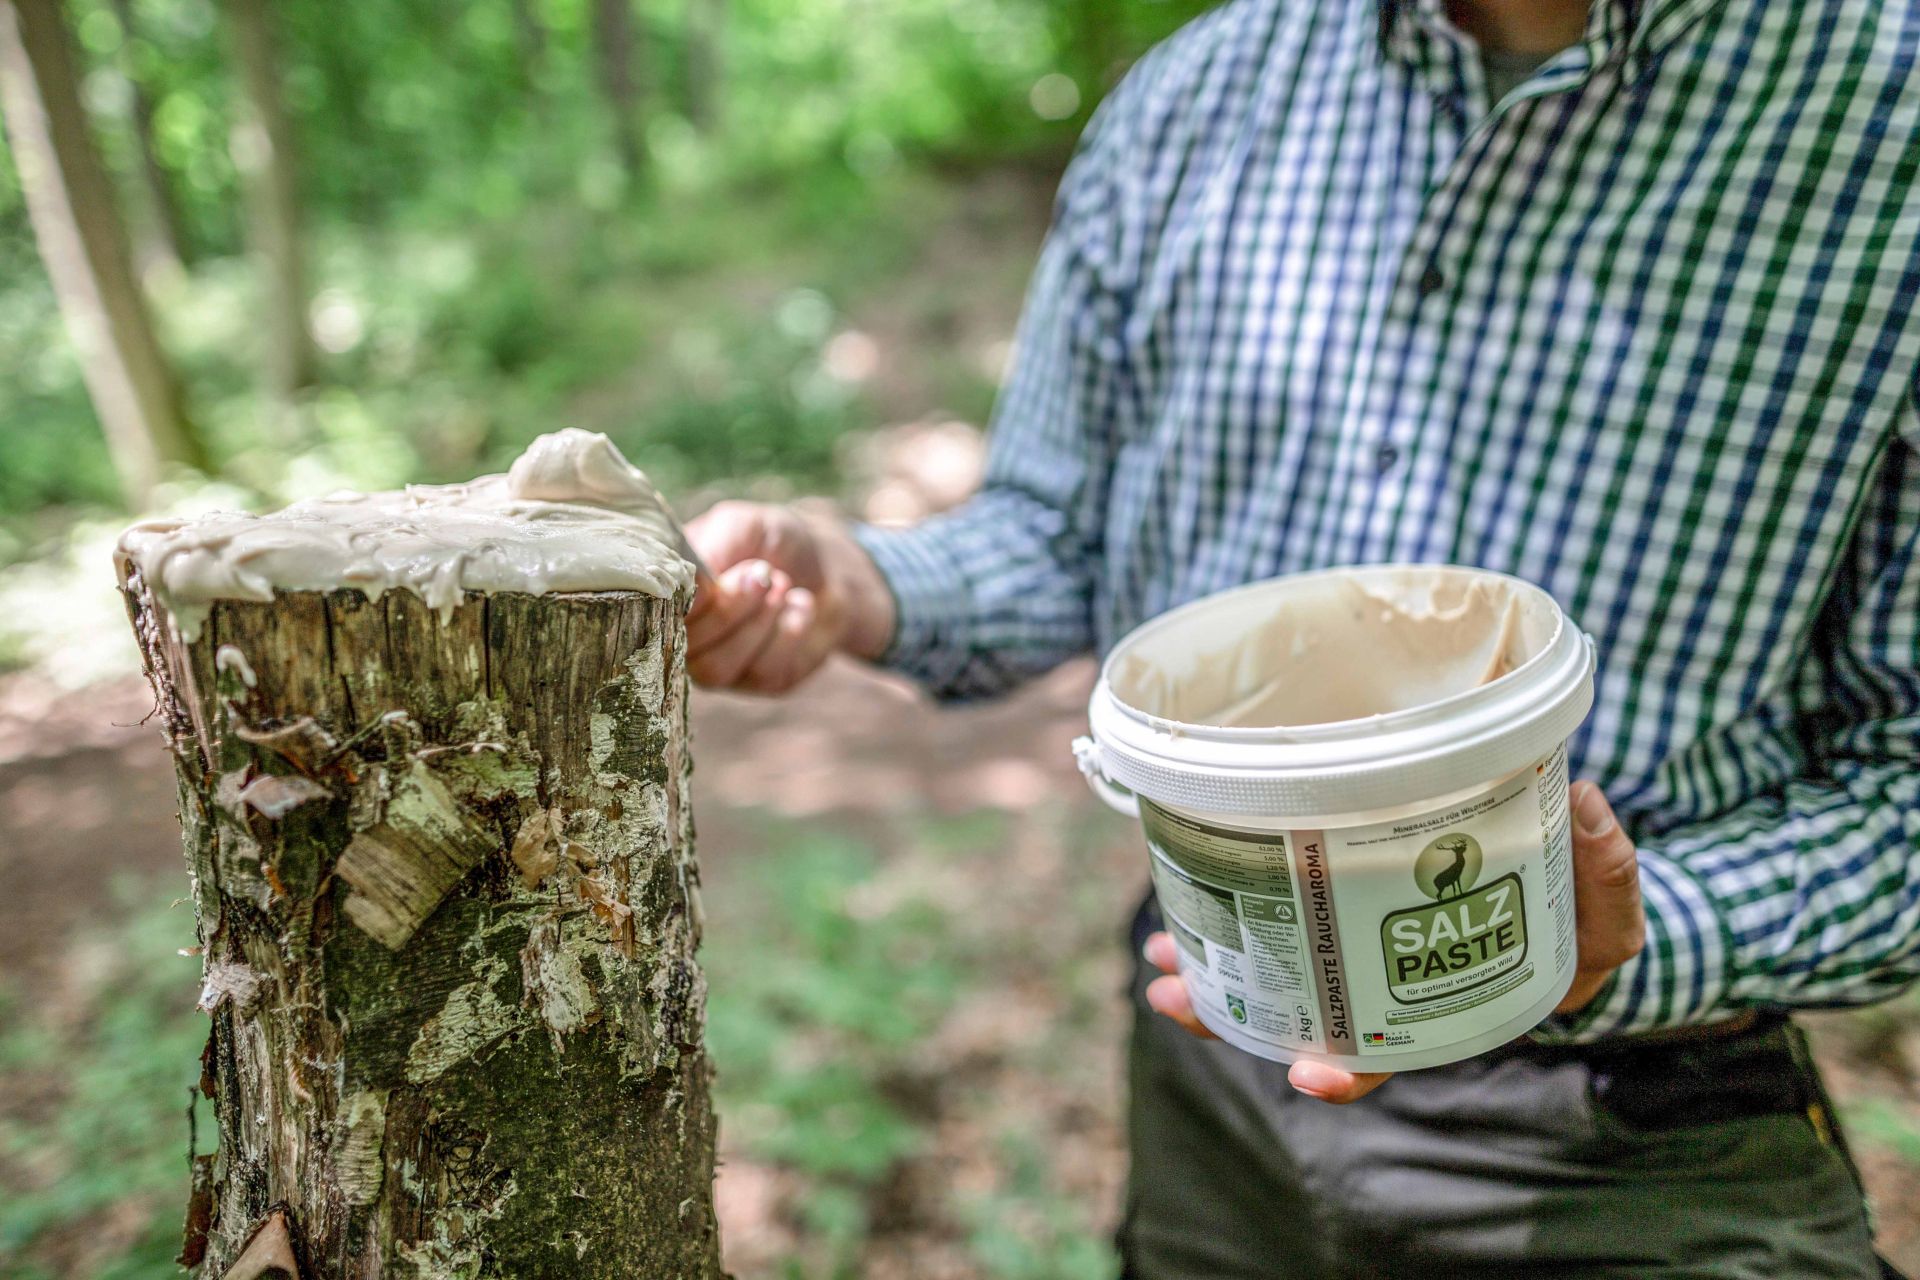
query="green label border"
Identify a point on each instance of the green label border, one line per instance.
(1526, 943)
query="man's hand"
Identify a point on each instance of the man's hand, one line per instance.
(788, 590)
(1610, 929)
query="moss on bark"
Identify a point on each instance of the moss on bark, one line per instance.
(448, 902)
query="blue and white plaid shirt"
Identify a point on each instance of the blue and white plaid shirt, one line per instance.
(1642, 332)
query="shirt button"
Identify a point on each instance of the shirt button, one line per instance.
(1432, 281)
(1385, 456)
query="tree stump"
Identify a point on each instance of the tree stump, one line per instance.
(447, 899)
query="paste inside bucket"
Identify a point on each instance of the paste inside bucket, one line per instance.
(1337, 647)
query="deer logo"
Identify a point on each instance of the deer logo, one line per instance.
(1448, 866)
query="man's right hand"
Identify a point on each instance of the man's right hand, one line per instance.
(788, 590)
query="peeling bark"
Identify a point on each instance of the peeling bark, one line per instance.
(448, 907)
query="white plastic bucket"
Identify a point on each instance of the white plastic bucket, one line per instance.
(1386, 884)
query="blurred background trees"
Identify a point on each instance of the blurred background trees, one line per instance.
(383, 241)
(77, 225)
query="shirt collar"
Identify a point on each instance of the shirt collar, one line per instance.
(1404, 24)
(1419, 33)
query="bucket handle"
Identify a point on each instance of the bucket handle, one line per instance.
(1086, 754)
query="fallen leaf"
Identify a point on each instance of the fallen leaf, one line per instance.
(535, 851)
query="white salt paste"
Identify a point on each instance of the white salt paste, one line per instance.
(571, 514)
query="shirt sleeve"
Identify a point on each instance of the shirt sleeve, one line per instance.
(1000, 589)
(1809, 896)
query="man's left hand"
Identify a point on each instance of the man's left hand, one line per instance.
(1611, 928)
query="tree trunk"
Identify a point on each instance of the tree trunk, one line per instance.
(446, 891)
(264, 156)
(613, 42)
(1095, 48)
(165, 239)
(706, 63)
(85, 250)
(349, 78)
(530, 39)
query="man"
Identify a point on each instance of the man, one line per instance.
(1619, 301)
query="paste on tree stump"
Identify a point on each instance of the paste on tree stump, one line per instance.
(570, 515)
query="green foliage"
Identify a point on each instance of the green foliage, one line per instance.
(818, 985)
(51, 449)
(477, 133)
(176, 54)
(829, 973)
(703, 359)
(1027, 1230)
(119, 1064)
(1878, 1122)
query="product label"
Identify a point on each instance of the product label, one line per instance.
(1452, 946)
(1388, 938)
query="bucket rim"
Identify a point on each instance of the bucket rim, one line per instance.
(1327, 731)
(1346, 766)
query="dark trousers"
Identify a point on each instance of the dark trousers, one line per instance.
(1701, 1157)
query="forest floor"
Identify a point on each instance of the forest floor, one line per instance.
(941, 1101)
(916, 963)
(915, 915)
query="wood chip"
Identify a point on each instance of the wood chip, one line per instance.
(401, 868)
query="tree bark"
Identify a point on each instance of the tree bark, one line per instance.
(264, 155)
(77, 227)
(706, 63)
(446, 891)
(166, 240)
(613, 42)
(530, 39)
